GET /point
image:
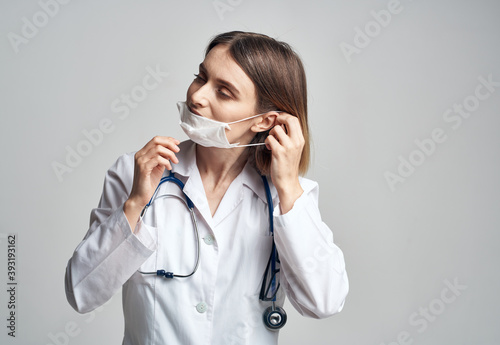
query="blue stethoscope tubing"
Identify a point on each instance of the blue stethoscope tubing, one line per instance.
(274, 317)
(189, 204)
(274, 254)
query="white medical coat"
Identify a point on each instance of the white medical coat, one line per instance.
(220, 303)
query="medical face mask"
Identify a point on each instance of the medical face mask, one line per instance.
(207, 132)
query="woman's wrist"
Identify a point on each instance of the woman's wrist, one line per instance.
(132, 211)
(288, 195)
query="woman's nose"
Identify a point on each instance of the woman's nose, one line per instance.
(200, 96)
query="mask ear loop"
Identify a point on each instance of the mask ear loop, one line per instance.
(248, 118)
(253, 116)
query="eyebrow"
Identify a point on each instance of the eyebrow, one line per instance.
(226, 83)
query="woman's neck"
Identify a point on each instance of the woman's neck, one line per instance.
(219, 166)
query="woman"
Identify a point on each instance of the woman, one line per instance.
(252, 90)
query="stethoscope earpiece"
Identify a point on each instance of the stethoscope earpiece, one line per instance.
(274, 318)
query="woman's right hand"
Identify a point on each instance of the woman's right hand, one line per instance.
(150, 163)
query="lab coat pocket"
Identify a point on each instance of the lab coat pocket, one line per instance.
(146, 273)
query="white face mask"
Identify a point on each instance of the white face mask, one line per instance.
(207, 132)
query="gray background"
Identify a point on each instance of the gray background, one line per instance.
(402, 245)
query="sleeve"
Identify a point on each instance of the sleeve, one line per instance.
(110, 252)
(313, 268)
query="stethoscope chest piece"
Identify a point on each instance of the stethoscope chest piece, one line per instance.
(274, 318)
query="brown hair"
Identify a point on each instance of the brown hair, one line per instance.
(280, 81)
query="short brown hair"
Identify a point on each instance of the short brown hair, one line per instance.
(280, 81)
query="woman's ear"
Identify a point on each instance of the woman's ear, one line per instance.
(265, 123)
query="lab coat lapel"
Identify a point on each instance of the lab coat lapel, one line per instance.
(188, 172)
(254, 181)
(196, 192)
(231, 199)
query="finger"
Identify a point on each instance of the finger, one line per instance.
(292, 124)
(284, 117)
(160, 150)
(157, 161)
(272, 143)
(295, 134)
(168, 142)
(156, 156)
(280, 135)
(162, 139)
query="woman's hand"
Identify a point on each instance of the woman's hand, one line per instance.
(286, 142)
(150, 163)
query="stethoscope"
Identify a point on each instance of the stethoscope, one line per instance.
(274, 317)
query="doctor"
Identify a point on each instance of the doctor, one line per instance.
(252, 89)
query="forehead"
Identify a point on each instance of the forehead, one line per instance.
(220, 65)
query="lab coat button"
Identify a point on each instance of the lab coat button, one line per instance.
(201, 307)
(208, 239)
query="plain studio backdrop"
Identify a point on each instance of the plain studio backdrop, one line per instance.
(404, 102)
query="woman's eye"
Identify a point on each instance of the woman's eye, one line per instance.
(199, 78)
(223, 93)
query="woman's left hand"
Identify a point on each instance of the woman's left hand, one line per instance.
(286, 142)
